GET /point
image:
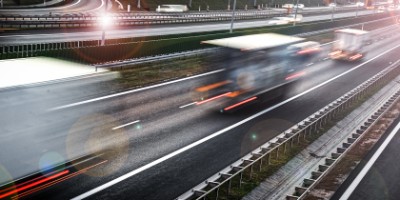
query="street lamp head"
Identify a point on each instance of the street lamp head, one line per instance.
(105, 20)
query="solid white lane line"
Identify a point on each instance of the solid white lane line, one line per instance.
(326, 58)
(190, 104)
(124, 125)
(309, 64)
(190, 146)
(133, 91)
(361, 175)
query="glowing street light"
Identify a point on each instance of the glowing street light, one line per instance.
(105, 21)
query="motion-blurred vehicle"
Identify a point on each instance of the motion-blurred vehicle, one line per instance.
(257, 68)
(172, 8)
(294, 17)
(360, 4)
(332, 5)
(277, 21)
(305, 50)
(299, 6)
(285, 20)
(288, 5)
(349, 44)
(381, 9)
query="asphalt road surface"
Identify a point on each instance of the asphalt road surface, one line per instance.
(155, 132)
(377, 176)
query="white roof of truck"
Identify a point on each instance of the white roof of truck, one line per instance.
(255, 42)
(22, 71)
(352, 31)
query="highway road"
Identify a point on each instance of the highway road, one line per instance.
(162, 144)
(378, 174)
(94, 6)
(34, 37)
(76, 6)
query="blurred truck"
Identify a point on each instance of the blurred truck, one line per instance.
(170, 8)
(257, 67)
(349, 44)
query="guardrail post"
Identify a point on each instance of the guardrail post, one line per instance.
(261, 163)
(315, 127)
(284, 147)
(268, 159)
(251, 172)
(305, 134)
(325, 119)
(217, 194)
(291, 143)
(320, 125)
(229, 186)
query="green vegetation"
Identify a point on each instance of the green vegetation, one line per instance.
(146, 74)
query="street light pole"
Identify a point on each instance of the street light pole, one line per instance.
(233, 15)
(357, 11)
(103, 34)
(295, 13)
(333, 10)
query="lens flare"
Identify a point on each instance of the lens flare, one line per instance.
(49, 161)
(93, 135)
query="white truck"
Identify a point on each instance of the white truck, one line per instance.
(170, 8)
(349, 44)
(256, 67)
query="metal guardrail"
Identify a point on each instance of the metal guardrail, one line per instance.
(121, 64)
(125, 19)
(308, 184)
(243, 169)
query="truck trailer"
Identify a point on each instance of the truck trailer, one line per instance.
(257, 67)
(349, 44)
